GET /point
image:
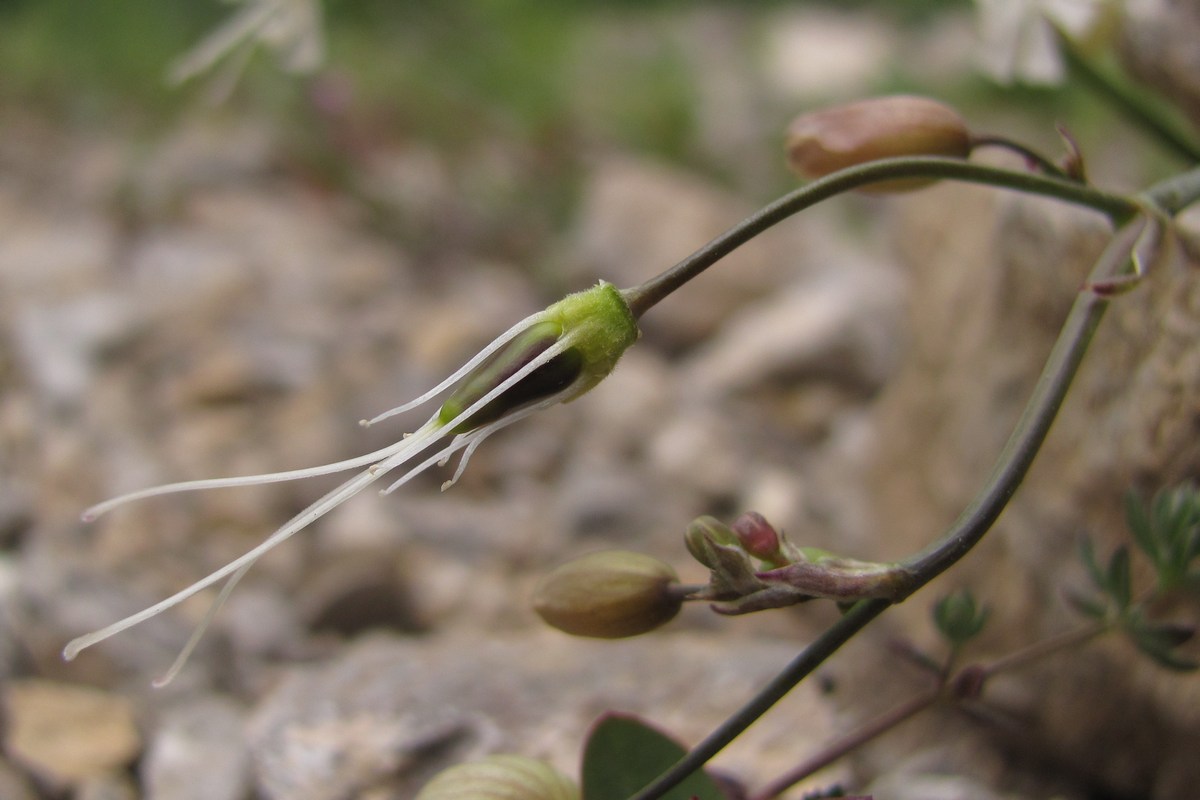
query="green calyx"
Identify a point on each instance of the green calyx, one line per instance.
(592, 329)
(598, 323)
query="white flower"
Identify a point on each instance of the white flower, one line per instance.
(1018, 42)
(550, 357)
(290, 28)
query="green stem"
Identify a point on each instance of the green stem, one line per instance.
(801, 666)
(890, 719)
(851, 742)
(1031, 429)
(642, 298)
(1133, 103)
(1011, 466)
(1028, 153)
(1014, 460)
(1039, 650)
(1175, 193)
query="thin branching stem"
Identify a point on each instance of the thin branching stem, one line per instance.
(1134, 103)
(1028, 153)
(1067, 640)
(1013, 462)
(870, 730)
(642, 298)
(801, 666)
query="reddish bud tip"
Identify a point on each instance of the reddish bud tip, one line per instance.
(756, 536)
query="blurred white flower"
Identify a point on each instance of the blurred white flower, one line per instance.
(1018, 42)
(292, 29)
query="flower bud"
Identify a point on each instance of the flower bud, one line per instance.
(608, 595)
(757, 537)
(500, 777)
(825, 141)
(702, 533)
(958, 617)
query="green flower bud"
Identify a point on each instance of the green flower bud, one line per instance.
(500, 777)
(958, 617)
(825, 141)
(702, 533)
(608, 595)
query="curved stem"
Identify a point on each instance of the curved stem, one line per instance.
(1133, 103)
(1011, 466)
(852, 741)
(1170, 195)
(1018, 453)
(1175, 193)
(642, 298)
(800, 667)
(1039, 650)
(1028, 153)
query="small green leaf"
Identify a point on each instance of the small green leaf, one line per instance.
(1087, 605)
(1160, 640)
(1167, 529)
(1119, 580)
(1087, 554)
(1138, 520)
(623, 754)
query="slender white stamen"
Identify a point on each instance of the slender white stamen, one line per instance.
(475, 361)
(194, 639)
(478, 436)
(427, 434)
(446, 460)
(463, 440)
(246, 480)
(444, 454)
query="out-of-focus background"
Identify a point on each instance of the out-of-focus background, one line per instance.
(230, 231)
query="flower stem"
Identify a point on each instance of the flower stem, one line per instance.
(1012, 464)
(851, 742)
(800, 667)
(893, 717)
(1028, 153)
(642, 298)
(1169, 196)
(1175, 193)
(1035, 420)
(1039, 650)
(1133, 103)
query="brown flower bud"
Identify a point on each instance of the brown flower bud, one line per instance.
(830, 139)
(757, 536)
(500, 777)
(608, 595)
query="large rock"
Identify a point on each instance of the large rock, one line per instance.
(990, 292)
(387, 713)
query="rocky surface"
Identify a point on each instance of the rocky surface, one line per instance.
(245, 325)
(198, 306)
